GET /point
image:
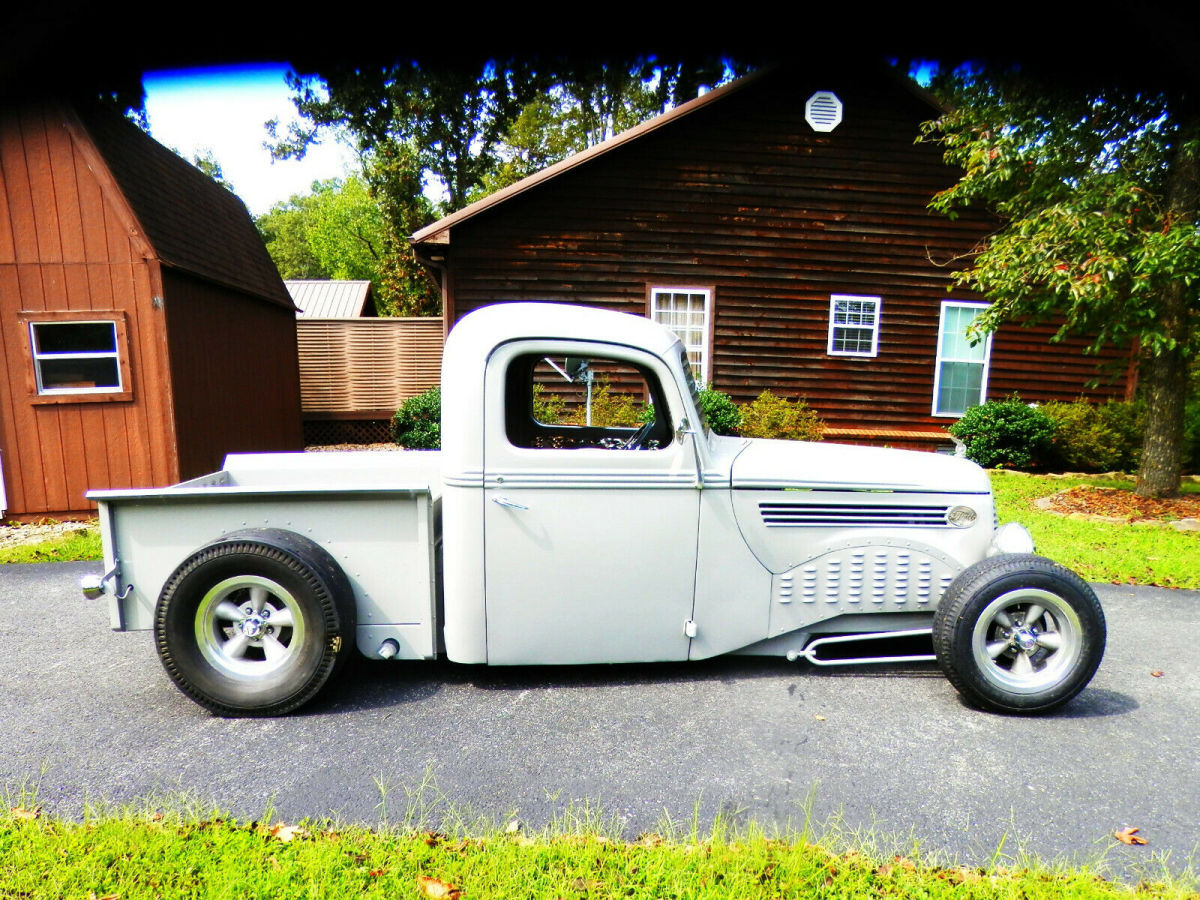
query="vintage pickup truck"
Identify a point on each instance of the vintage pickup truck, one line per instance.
(542, 533)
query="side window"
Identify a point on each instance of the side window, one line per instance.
(78, 356)
(853, 325)
(581, 402)
(960, 373)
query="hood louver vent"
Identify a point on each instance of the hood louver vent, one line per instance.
(776, 515)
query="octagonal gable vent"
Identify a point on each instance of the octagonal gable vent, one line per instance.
(823, 111)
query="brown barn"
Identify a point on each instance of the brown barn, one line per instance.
(779, 225)
(144, 332)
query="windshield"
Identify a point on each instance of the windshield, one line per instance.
(693, 389)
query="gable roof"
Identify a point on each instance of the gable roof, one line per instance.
(325, 299)
(191, 222)
(439, 232)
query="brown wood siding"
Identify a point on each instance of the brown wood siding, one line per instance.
(366, 366)
(234, 374)
(745, 196)
(63, 247)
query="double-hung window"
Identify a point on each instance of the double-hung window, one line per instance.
(78, 356)
(960, 373)
(687, 311)
(853, 325)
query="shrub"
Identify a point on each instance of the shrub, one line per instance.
(776, 417)
(1005, 434)
(1191, 438)
(609, 408)
(720, 412)
(417, 424)
(1096, 438)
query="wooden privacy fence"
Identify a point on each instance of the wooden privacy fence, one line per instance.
(365, 368)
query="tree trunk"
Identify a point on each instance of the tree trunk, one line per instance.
(1163, 381)
(1164, 376)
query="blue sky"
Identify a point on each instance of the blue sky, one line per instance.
(223, 110)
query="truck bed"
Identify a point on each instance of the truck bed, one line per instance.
(375, 512)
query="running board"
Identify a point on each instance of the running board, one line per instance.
(810, 652)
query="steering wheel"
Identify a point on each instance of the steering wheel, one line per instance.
(635, 440)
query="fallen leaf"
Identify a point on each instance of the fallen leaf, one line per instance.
(437, 890)
(650, 839)
(1129, 836)
(20, 812)
(1157, 673)
(285, 833)
(819, 717)
(157, 817)
(375, 873)
(513, 827)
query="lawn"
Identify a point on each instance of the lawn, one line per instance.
(1121, 553)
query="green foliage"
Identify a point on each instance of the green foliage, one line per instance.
(1005, 434)
(206, 162)
(720, 412)
(1191, 438)
(417, 424)
(1096, 438)
(344, 229)
(769, 416)
(1097, 190)
(477, 125)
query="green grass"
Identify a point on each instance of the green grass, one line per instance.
(136, 855)
(82, 544)
(1099, 551)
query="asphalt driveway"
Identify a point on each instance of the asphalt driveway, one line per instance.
(88, 716)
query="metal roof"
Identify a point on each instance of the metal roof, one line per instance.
(331, 299)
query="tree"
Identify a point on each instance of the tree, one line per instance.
(206, 161)
(342, 230)
(1097, 191)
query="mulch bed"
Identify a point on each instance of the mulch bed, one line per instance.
(1121, 504)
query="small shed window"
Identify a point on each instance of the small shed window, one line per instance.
(687, 311)
(853, 325)
(960, 374)
(76, 357)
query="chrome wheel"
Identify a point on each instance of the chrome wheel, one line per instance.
(249, 626)
(1027, 640)
(1017, 633)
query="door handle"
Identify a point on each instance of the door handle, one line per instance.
(508, 504)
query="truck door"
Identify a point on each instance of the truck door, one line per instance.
(590, 506)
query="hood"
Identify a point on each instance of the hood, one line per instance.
(798, 464)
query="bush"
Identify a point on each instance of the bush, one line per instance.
(1005, 434)
(720, 412)
(417, 424)
(1191, 438)
(775, 417)
(1096, 438)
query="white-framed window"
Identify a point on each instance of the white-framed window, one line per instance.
(853, 325)
(78, 356)
(960, 373)
(687, 311)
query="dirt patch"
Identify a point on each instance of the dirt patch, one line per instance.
(1116, 505)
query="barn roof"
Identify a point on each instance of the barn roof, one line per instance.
(439, 232)
(191, 222)
(326, 299)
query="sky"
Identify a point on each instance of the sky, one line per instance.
(223, 110)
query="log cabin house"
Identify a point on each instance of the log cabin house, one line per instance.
(144, 331)
(779, 225)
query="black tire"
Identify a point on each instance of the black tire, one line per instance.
(255, 624)
(1001, 659)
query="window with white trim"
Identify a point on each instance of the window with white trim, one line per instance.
(77, 356)
(853, 325)
(687, 311)
(960, 373)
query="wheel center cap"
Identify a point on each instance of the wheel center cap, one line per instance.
(252, 626)
(1026, 641)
